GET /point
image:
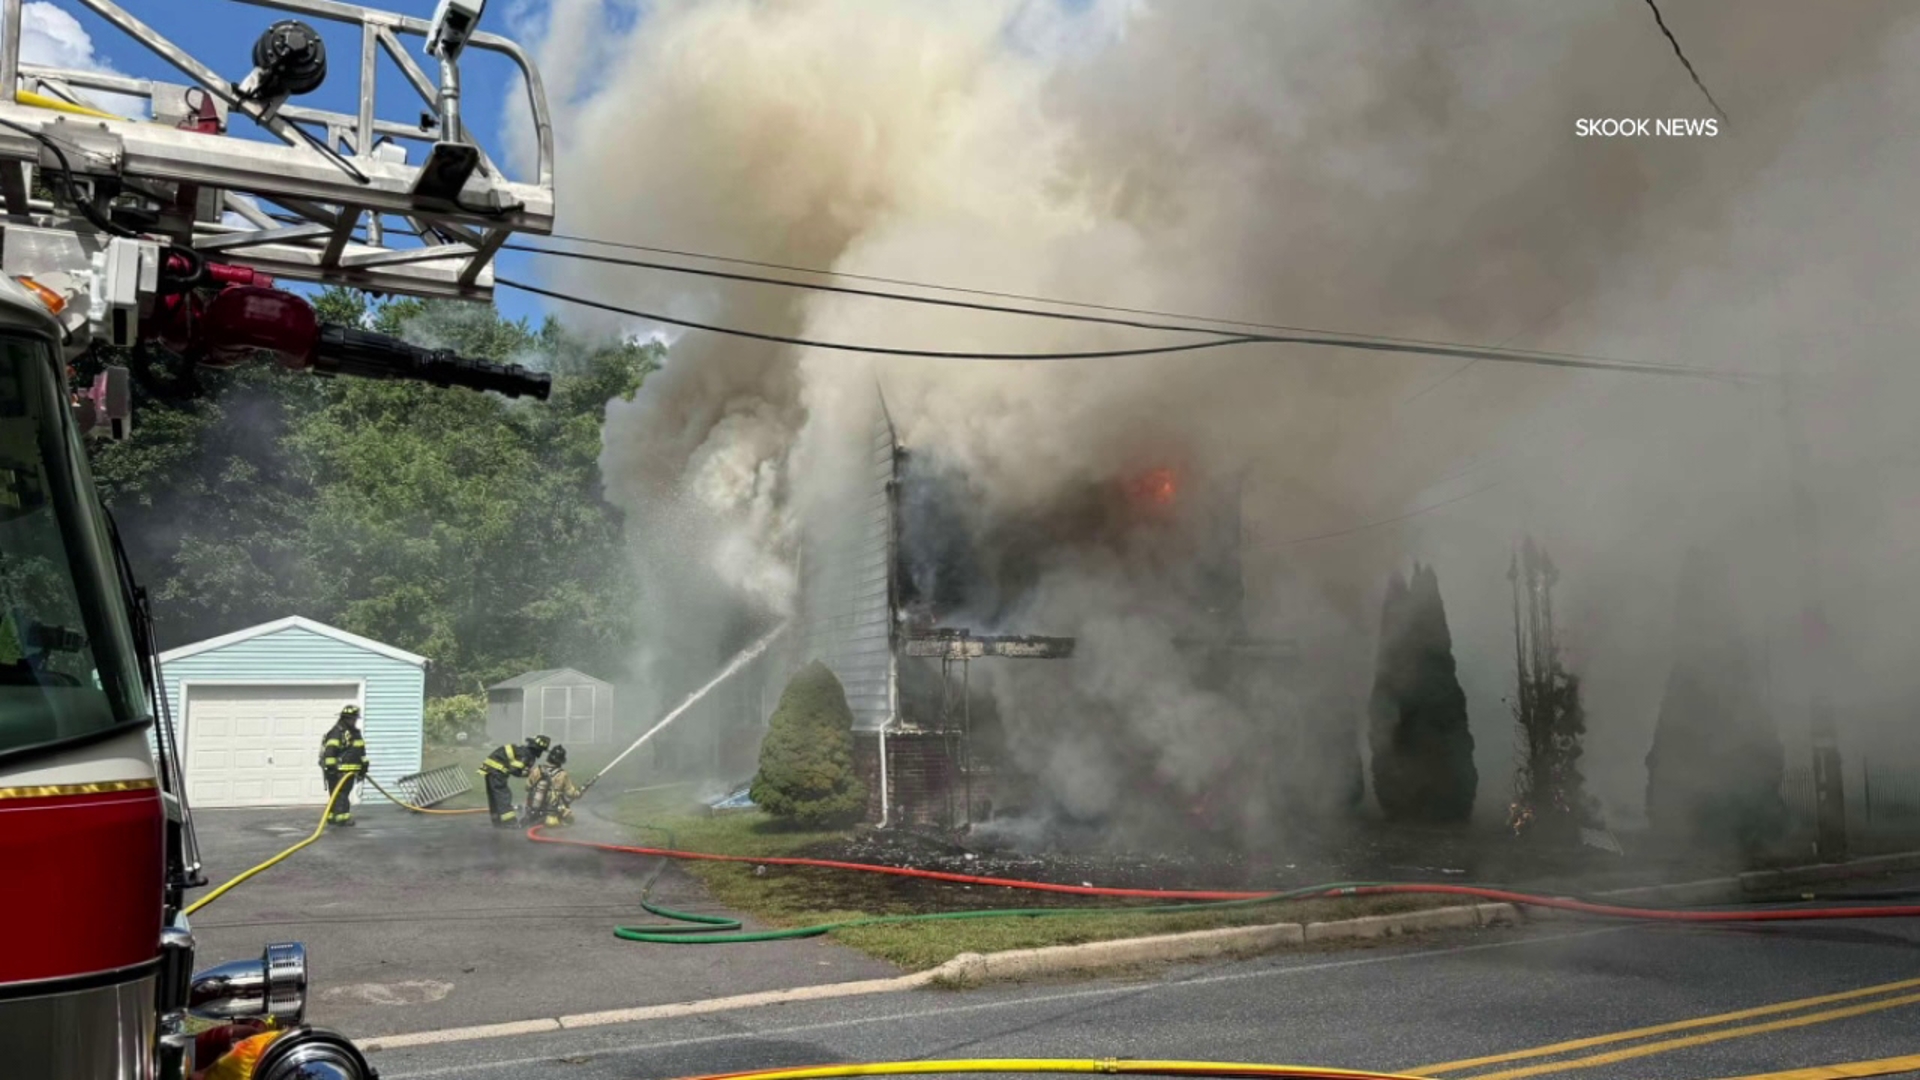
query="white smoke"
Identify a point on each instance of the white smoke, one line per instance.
(1409, 170)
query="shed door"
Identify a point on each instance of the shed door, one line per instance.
(566, 714)
(580, 715)
(259, 745)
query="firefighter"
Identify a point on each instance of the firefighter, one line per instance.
(343, 754)
(550, 791)
(509, 760)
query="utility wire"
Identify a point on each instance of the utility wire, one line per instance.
(847, 290)
(1003, 309)
(878, 350)
(1370, 345)
(1688, 64)
(1238, 324)
(1294, 335)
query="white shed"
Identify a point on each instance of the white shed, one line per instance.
(565, 705)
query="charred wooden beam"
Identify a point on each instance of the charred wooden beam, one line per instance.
(954, 644)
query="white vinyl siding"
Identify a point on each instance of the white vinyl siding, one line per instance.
(846, 585)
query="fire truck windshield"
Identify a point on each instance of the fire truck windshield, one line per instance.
(68, 669)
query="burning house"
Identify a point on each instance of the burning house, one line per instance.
(906, 584)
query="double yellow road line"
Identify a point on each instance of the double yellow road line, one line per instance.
(1784, 1015)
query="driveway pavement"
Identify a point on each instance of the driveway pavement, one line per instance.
(419, 922)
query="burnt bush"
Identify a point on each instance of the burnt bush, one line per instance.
(1417, 718)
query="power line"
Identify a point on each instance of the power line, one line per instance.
(1370, 345)
(877, 350)
(1006, 310)
(1296, 336)
(931, 301)
(1688, 64)
(909, 283)
(1503, 343)
(1240, 324)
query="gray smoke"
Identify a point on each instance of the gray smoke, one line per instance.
(1408, 169)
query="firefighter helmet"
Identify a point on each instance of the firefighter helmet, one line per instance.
(350, 712)
(557, 756)
(540, 743)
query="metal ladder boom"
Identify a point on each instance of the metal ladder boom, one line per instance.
(334, 202)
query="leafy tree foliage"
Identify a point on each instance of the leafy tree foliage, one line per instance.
(448, 717)
(1714, 772)
(463, 526)
(1422, 749)
(806, 761)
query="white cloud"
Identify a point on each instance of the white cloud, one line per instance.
(51, 37)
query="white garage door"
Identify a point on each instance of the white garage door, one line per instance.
(259, 745)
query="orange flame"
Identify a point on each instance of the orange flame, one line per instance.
(1156, 487)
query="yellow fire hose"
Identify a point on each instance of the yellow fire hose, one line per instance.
(42, 101)
(317, 830)
(1121, 1066)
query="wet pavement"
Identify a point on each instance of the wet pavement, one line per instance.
(415, 922)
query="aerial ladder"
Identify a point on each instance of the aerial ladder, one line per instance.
(173, 231)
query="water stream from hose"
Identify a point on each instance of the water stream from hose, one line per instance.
(745, 657)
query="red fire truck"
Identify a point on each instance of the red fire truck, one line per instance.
(168, 232)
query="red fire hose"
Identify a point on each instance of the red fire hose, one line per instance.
(1479, 892)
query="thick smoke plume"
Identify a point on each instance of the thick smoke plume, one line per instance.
(1409, 169)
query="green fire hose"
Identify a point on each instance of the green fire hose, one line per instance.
(689, 928)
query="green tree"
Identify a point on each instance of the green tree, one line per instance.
(1716, 765)
(463, 526)
(449, 717)
(1422, 747)
(471, 528)
(806, 761)
(213, 511)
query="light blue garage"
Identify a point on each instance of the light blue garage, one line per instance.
(252, 707)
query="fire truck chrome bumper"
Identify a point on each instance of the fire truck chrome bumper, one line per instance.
(97, 1033)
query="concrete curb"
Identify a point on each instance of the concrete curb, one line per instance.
(1746, 886)
(1755, 881)
(976, 969)
(1739, 887)
(650, 1012)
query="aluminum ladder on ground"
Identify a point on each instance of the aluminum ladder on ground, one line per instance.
(434, 785)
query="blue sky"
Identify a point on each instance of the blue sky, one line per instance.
(221, 34)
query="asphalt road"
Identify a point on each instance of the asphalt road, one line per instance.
(1432, 1004)
(415, 922)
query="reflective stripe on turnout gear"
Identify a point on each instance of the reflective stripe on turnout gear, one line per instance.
(504, 760)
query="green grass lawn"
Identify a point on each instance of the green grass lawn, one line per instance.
(468, 758)
(787, 897)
